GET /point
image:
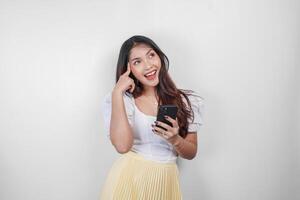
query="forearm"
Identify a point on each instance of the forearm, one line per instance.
(120, 129)
(183, 147)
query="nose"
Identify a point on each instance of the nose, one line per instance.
(148, 64)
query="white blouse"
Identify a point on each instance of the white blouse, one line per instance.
(147, 143)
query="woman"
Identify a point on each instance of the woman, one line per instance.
(147, 168)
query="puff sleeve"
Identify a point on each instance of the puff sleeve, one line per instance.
(107, 109)
(197, 104)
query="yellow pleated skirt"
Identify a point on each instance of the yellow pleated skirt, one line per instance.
(132, 177)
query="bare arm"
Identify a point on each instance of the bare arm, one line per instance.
(185, 147)
(120, 129)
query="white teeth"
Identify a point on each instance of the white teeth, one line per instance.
(149, 74)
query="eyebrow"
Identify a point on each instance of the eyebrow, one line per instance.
(138, 58)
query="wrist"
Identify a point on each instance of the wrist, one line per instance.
(116, 91)
(175, 140)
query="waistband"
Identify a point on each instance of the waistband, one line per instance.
(145, 158)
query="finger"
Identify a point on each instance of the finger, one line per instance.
(173, 121)
(164, 125)
(132, 86)
(160, 131)
(128, 70)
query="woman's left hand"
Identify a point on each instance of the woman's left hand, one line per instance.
(170, 133)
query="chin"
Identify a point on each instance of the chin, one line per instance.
(155, 84)
(151, 84)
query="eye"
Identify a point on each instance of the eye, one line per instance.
(136, 62)
(152, 54)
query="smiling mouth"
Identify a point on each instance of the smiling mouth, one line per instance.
(152, 73)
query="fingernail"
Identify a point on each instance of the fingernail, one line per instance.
(166, 116)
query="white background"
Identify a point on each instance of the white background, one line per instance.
(58, 60)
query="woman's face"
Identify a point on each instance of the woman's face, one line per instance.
(145, 64)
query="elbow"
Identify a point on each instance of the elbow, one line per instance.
(122, 146)
(122, 149)
(192, 154)
(191, 157)
(188, 157)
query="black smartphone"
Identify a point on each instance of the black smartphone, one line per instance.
(169, 110)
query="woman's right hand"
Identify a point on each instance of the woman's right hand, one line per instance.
(125, 82)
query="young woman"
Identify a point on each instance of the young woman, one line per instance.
(147, 167)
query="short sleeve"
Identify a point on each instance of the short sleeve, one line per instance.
(197, 104)
(107, 109)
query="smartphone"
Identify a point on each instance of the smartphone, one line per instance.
(169, 110)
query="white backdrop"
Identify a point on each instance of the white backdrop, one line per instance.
(57, 61)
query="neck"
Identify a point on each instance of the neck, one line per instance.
(149, 91)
